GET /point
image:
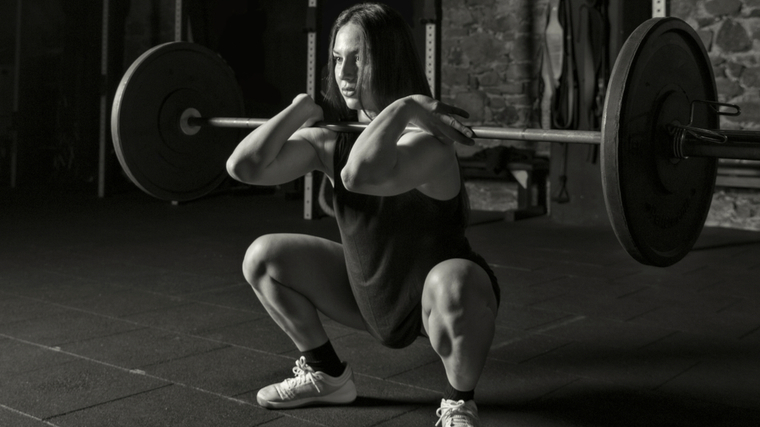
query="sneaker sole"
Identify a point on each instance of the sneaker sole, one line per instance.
(337, 398)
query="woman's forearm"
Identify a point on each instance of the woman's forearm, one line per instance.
(261, 147)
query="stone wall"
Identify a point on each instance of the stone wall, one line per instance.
(489, 63)
(730, 30)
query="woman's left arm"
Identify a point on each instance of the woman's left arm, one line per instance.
(387, 161)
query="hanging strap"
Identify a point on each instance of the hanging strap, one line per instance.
(557, 107)
(552, 57)
(564, 109)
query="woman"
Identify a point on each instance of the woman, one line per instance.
(403, 267)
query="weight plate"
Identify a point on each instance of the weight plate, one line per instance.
(657, 205)
(156, 90)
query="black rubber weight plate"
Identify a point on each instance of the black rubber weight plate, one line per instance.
(157, 88)
(657, 205)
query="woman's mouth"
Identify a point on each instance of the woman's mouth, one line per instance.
(348, 91)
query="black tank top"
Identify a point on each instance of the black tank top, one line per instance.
(390, 245)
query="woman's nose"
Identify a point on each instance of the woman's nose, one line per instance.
(346, 70)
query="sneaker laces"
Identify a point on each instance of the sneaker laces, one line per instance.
(303, 374)
(454, 413)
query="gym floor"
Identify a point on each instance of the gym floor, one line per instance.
(129, 311)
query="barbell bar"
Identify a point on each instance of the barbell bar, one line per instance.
(175, 121)
(693, 143)
(482, 132)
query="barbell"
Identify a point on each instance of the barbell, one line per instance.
(176, 119)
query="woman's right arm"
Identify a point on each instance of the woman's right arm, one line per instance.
(277, 151)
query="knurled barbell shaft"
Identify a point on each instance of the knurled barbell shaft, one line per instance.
(547, 135)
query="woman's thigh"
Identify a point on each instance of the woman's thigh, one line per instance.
(311, 266)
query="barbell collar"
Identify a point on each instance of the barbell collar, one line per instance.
(525, 134)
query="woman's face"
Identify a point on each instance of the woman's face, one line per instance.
(350, 73)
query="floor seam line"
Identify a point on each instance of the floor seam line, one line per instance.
(24, 414)
(143, 325)
(133, 371)
(63, 414)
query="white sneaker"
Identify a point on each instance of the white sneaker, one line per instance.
(309, 387)
(457, 414)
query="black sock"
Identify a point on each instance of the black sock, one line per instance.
(453, 394)
(324, 359)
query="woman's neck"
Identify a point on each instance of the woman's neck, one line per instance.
(366, 116)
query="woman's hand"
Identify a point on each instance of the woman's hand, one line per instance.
(316, 112)
(438, 119)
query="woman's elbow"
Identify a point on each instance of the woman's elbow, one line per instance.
(355, 181)
(349, 179)
(233, 168)
(360, 181)
(240, 170)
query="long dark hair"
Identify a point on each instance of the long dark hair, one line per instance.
(394, 68)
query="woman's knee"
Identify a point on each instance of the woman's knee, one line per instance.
(453, 288)
(445, 292)
(259, 258)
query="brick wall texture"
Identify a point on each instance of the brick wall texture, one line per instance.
(490, 50)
